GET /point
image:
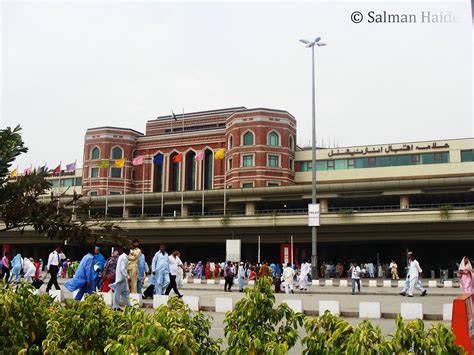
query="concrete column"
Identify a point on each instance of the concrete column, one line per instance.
(323, 204)
(404, 202)
(126, 212)
(249, 208)
(185, 211)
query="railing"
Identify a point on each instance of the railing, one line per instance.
(300, 211)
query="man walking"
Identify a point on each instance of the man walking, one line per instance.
(141, 272)
(174, 264)
(99, 263)
(305, 268)
(54, 260)
(394, 270)
(83, 279)
(241, 276)
(160, 270)
(355, 276)
(414, 271)
(288, 275)
(133, 258)
(120, 286)
(228, 276)
(6, 266)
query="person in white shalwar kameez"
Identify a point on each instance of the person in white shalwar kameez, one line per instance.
(29, 270)
(305, 267)
(287, 277)
(414, 271)
(120, 286)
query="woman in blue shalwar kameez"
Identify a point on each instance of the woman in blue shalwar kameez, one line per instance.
(83, 279)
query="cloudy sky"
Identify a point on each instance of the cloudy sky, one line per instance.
(67, 66)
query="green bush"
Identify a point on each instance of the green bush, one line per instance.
(80, 326)
(23, 318)
(255, 327)
(329, 334)
(172, 327)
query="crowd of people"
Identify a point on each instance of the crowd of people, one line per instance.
(126, 271)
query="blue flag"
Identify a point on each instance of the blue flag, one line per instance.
(158, 159)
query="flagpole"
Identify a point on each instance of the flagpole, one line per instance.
(182, 185)
(162, 183)
(225, 185)
(143, 188)
(124, 187)
(107, 193)
(202, 183)
(90, 187)
(59, 183)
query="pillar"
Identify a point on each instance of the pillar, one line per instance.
(249, 208)
(404, 202)
(126, 213)
(323, 204)
(185, 211)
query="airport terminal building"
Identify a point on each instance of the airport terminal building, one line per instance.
(376, 201)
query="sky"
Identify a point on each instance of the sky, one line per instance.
(67, 66)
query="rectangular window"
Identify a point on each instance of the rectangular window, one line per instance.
(415, 159)
(340, 164)
(54, 182)
(116, 172)
(273, 184)
(350, 163)
(67, 182)
(321, 165)
(247, 160)
(306, 166)
(371, 162)
(94, 172)
(435, 158)
(291, 164)
(330, 165)
(361, 163)
(78, 181)
(229, 163)
(273, 161)
(93, 193)
(467, 155)
(247, 185)
(382, 161)
(115, 193)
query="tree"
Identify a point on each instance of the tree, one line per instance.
(21, 206)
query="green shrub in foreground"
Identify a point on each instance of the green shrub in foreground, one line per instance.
(23, 318)
(255, 327)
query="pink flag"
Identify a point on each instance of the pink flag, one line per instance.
(27, 171)
(199, 156)
(138, 160)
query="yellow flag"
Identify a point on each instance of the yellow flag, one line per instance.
(119, 163)
(219, 154)
(13, 173)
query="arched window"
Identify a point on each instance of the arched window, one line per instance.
(231, 141)
(117, 153)
(95, 153)
(290, 142)
(158, 164)
(248, 138)
(174, 173)
(273, 139)
(190, 171)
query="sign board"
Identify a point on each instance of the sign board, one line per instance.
(233, 250)
(462, 322)
(313, 215)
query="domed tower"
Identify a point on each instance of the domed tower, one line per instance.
(260, 148)
(108, 144)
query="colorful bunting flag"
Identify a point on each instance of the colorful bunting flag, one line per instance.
(43, 169)
(13, 173)
(119, 163)
(57, 169)
(27, 171)
(104, 164)
(71, 167)
(199, 156)
(158, 159)
(219, 154)
(138, 160)
(178, 158)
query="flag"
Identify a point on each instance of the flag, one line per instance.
(57, 169)
(13, 173)
(27, 171)
(71, 167)
(104, 164)
(158, 159)
(119, 163)
(138, 160)
(199, 156)
(219, 154)
(174, 116)
(43, 169)
(178, 158)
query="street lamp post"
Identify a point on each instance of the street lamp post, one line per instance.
(314, 246)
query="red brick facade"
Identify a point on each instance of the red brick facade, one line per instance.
(273, 143)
